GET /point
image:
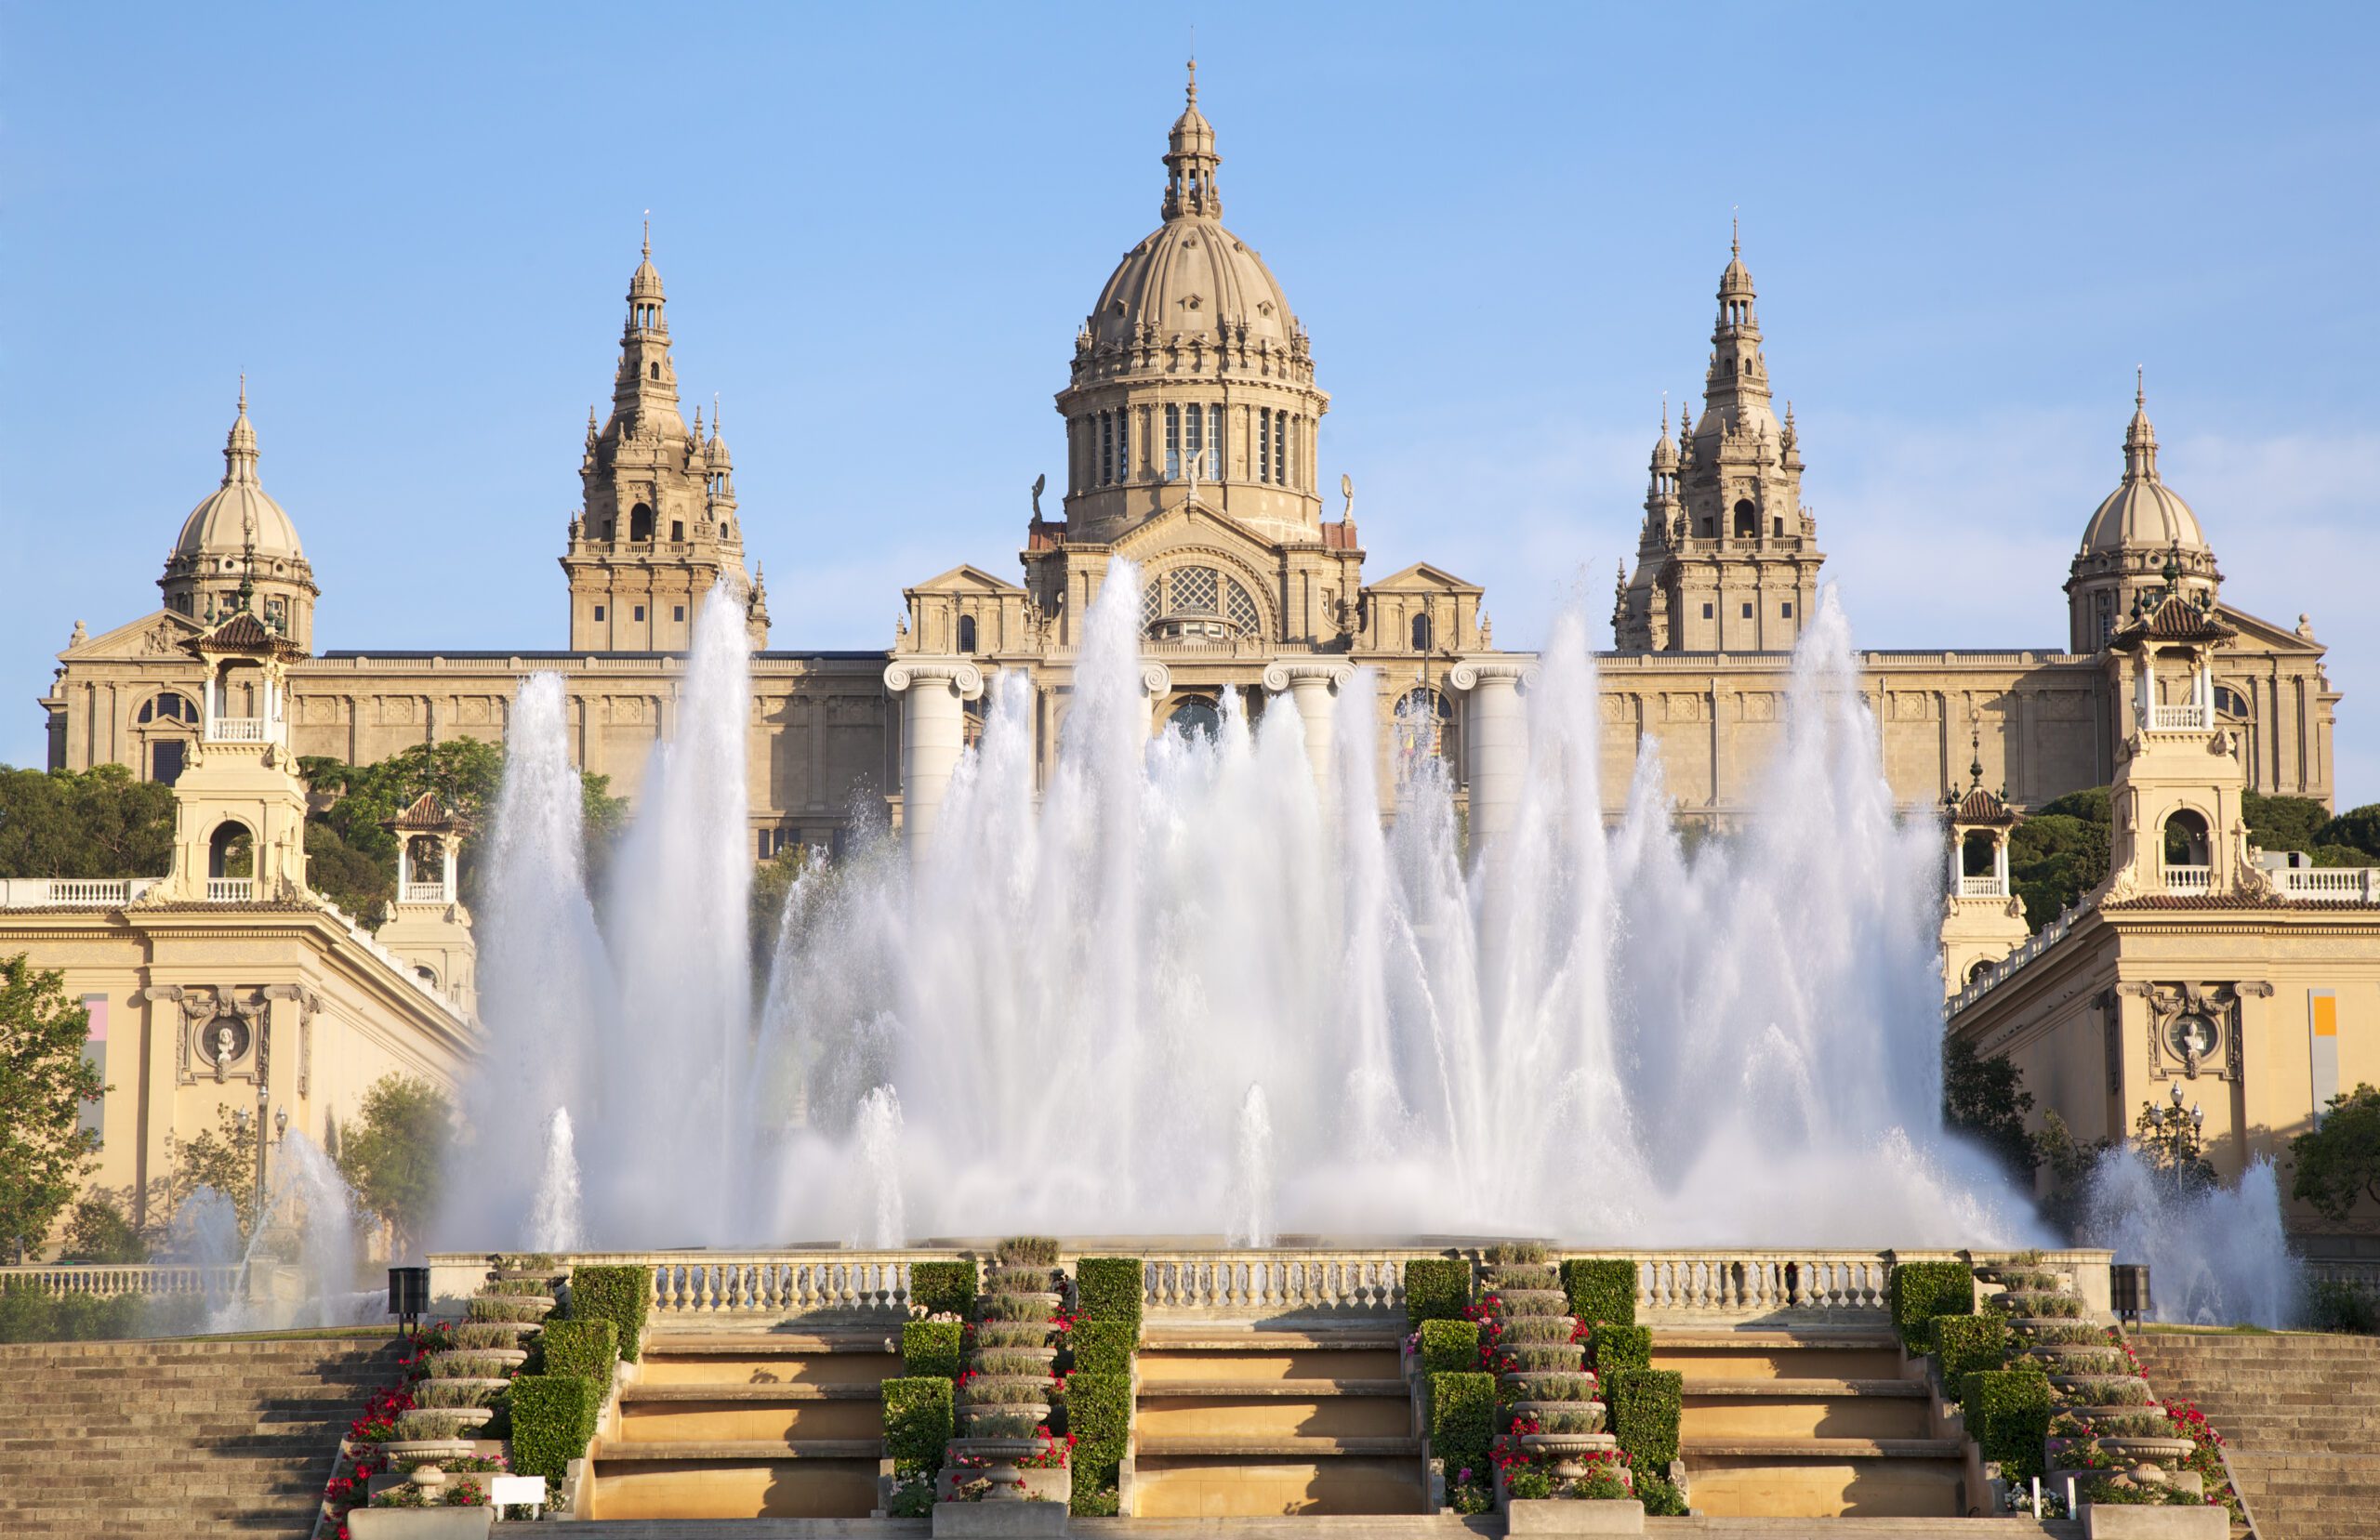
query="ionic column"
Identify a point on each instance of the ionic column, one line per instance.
(1157, 680)
(933, 731)
(1310, 684)
(1498, 739)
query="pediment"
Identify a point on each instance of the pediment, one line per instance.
(966, 579)
(1422, 577)
(2262, 635)
(1194, 525)
(159, 634)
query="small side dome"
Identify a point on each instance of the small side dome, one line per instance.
(239, 510)
(2143, 513)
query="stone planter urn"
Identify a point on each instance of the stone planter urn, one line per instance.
(1568, 1451)
(1009, 1482)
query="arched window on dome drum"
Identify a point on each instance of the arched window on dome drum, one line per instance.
(967, 633)
(1173, 443)
(1746, 521)
(1424, 728)
(1194, 439)
(1214, 440)
(1195, 717)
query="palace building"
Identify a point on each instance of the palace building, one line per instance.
(1192, 407)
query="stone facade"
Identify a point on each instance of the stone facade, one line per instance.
(1192, 414)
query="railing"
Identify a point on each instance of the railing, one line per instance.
(2361, 1275)
(2190, 879)
(2179, 718)
(1229, 1282)
(236, 730)
(82, 892)
(2331, 884)
(106, 1282)
(229, 890)
(423, 892)
(1983, 888)
(2040, 942)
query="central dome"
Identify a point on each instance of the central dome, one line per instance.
(1192, 278)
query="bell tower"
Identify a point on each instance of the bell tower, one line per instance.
(1983, 920)
(657, 524)
(239, 805)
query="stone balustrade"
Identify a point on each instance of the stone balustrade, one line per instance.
(2190, 879)
(229, 890)
(105, 1281)
(73, 892)
(1677, 1285)
(236, 730)
(1983, 888)
(2331, 884)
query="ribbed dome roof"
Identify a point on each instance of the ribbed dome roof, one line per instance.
(221, 524)
(1192, 277)
(2143, 513)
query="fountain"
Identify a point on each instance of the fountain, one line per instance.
(2216, 1256)
(554, 1224)
(1179, 985)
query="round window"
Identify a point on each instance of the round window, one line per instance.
(2193, 1035)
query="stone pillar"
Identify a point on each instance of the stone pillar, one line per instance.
(934, 731)
(1157, 680)
(1498, 738)
(1310, 684)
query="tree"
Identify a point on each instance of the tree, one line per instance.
(2338, 1163)
(99, 1231)
(2284, 822)
(394, 1149)
(2358, 828)
(1986, 1099)
(224, 1158)
(44, 1151)
(2060, 853)
(99, 823)
(2071, 1163)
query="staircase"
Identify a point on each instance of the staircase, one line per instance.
(1234, 1423)
(772, 1425)
(1808, 1424)
(176, 1439)
(2301, 1416)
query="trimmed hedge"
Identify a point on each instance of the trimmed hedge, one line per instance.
(1922, 1291)
(589, 1350)
(916, 1425)
(2007, 1415)
(1645, 1406)
(1099, 1414)
(1450, 1347)
(553, 1418)
(1601, 1289)
(942, 1288)
(1109, 1288)
(1436, 1288)
(1965, 1343)
(619, 1294)
(1463, 1421)
(1103, 1346)
(31, 1313)
(930, 1348)
(1618, 1348)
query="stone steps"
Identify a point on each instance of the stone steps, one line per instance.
(1229, 1446)
(734, 1449)
(1303, 1389)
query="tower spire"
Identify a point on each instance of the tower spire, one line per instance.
(1190, 161)
(2139, 437)
(240, 444)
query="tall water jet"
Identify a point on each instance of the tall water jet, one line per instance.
(300, 1259)
(2216, 1256)
(554, 1223)
(880, 1156)
(1252, 1174)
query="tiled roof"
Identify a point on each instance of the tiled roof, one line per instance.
(426, 812)
(2174, 620)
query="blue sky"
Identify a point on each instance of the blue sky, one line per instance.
(879, 227)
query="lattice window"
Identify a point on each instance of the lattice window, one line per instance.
(1152, 604)
(1193, 591)
(1240, 607)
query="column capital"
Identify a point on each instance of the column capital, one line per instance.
(961, 678)
(1155, 679)
(1289, 673)
(1516, 667)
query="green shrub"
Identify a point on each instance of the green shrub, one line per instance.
(1644, 1406)
(2335, 1305)
(1436, 1288)
(553, 1418)
(1517, 1253)
(1103, 1346)
(1013, 1361)
(619, 1294)
(1617, 1347)
(942, 1288)
(1965, 1343)
(1099, 1414)
(990, 1391)
(526, 1288)
(488, 1334)
(911, 1499)
(587, 1349)
(1462, 1419)
(1537, 1331)
(2007, 1415)
(456, 1366)
(2107, 1391)
(1922, 1291)
(1659, 1495)
(1521, 1275)
(916, 1425)
(1027, 1251)
(930, 1348)
(1542, 1358)
(500, 1308)
(1570, 1386)
(1009, 1280)
(1601, 1289)
(1005, 1334)
(1012, 1307)
(1450, 1347)
(31, 1313)
(1109, 1288)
